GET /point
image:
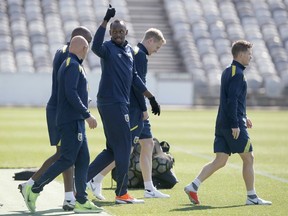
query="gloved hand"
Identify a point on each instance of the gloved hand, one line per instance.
(109, 13)
(155, 106)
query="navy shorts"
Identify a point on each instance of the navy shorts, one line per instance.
(54, 135)
(146, 132)
(224, 141)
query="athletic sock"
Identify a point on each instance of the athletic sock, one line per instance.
(149, 186)
(98, 178)
(196, 184)
(69, 195)
(251, 194)
(30, 182)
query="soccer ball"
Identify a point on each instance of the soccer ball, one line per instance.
(162, 164)
(133, 179)
(135, 164)
(137, 149)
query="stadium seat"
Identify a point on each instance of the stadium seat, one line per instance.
(32, 30)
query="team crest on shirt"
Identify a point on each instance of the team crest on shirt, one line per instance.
(80, 137)
(119, 55)
(136, 140)
(126, 116)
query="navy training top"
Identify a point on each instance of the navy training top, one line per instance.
(72, 91)
(118, 70)
(232, 108)
(141, 62)
(59, 57)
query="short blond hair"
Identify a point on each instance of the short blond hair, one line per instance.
(240, 46)
(154, 33)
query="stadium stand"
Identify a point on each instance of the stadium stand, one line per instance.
(199, 36)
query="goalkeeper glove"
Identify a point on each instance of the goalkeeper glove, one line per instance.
(110, 13)
(155, 106)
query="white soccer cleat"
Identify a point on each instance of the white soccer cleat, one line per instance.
(68, 205)
(21, 188)
(155, 194)
(257, 201)
(96, 189)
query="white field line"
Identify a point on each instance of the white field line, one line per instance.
(234, 166)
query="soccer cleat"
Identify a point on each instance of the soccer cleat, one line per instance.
(192, 194)
(68, 205)
(87, 207)
(96, 189)
(21, 188)
(155, 194)
(29, 197)
(257, 201)
(127, 199)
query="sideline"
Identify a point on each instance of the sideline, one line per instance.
(49, 202)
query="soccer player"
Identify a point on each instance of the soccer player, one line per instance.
(71, 114)
(231, 135)
(118, 75)
(54, 135)
(140, 126)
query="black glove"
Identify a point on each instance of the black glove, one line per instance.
(155, 106)
(110, 13)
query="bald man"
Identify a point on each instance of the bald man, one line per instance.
(72, 111)
(54, 135)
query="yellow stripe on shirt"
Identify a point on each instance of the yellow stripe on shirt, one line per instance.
(68, 61)
(64, 49)
(136, 50)
(233, 70)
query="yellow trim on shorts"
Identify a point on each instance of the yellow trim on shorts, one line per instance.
(59, 144)
(134, 128)
(247, 147)
(233, 70)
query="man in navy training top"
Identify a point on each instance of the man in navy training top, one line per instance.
(72, 111)
(118, 75)
(231, 135)
(139, 120)
(54, 135)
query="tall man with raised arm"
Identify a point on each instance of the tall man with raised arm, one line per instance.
(118, 75)
(151, 42)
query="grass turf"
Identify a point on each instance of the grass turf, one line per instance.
(24, 143)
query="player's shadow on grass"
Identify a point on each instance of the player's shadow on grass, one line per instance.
(190, 207)
(103, 203)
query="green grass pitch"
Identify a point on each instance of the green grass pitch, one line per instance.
(190, 132)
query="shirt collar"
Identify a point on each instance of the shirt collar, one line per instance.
(143, 48)
(234, 62)
(121, 46)
(76, 58)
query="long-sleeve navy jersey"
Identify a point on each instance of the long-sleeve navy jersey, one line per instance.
(232, 108)
(136, 98)
(59, 57)
(72, 91)
(118, 71)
